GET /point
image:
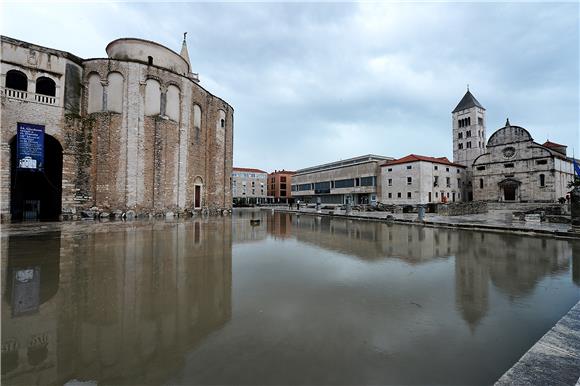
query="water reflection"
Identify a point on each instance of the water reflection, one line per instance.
(315, 300)
(114, 303)
(512, 264)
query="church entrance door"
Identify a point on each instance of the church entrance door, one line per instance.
(509, 193)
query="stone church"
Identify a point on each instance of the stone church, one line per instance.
(511, 166)
(132, 133)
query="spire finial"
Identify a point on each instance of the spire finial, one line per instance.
(467, 86)
(184, 36)
(507, 122)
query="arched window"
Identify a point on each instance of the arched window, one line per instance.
(172, 106)
(95, 100)
(197, 123)
(152, 97)
(220, 126)
(16, 80)
(115, 92)
(45, 86)
(542, 180)
(198, 193)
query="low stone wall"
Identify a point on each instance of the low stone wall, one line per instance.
(462, 208)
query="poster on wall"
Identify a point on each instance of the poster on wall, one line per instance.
(30, 146)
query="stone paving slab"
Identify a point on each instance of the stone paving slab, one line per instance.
(554, 359)
(495, 220)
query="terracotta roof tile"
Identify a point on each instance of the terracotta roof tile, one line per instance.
(416, 158)
(552, 144)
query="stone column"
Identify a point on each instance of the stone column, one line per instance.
(575, 209)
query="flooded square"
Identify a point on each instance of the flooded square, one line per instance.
(284, 299)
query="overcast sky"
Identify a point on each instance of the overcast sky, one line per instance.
(314, 83)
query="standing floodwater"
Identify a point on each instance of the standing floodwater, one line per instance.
(284, 300)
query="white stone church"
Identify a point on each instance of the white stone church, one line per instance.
(511, 167)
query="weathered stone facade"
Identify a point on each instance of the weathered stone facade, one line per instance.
(469, 135)
(137, 131)
(517, 169)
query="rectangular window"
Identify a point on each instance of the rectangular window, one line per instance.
(458, 171)
(408, 194)
(322, 187)
(542, 162)
(458, 182)
(508, 165)
(409, 180)
(469, 145)
(390, 195)
(436, 194)
(460, 146)
(410, 167)
(468, 134)
(480, 121)
(282, 179)
(448, 181)
(367, 181)
(446, 169)
(481, 168)
(349, 183)
(390, 182)
(460, 136)
(436, 167)
(389, 170)
(542, 180)
(435, 180)
(399, 195)
(481, 183)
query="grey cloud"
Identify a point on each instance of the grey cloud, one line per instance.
(313, 83)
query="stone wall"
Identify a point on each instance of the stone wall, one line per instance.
(116, 157)
(462, 208)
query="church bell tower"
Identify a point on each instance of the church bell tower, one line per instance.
(468, 130)
(468, 135)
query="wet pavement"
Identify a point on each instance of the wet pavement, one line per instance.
(291, 300)
(494, 218)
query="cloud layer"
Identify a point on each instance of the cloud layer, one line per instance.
(314, 83)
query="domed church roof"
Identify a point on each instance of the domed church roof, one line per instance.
(509, 134)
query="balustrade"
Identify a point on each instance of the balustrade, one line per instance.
(29, 96)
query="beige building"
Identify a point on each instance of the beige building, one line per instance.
(517, 169)
(354, 180)
(133, 131)
(249, 186)
(417, 179)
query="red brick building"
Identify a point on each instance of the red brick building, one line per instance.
(280, 186)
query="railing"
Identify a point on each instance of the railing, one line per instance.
(29, 96)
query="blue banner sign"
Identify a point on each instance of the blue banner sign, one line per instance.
(30, 146)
